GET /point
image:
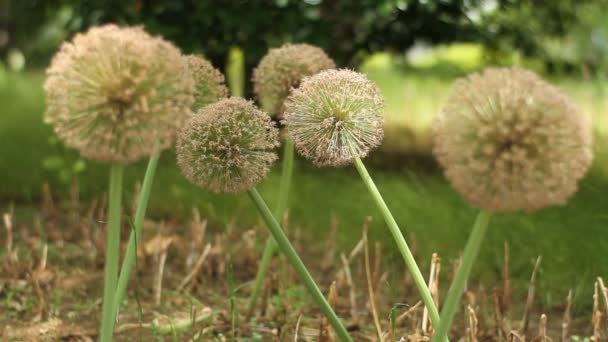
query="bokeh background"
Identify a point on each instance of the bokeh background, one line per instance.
(413, 49)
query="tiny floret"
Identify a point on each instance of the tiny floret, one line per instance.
(227, 146)
(335, 116)
(209, 83)
(510, 141)
(112, 92)
(284, 68)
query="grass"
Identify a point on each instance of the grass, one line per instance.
(571, 239)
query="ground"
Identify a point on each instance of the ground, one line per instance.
(52, 272)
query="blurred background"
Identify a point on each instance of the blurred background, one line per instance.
(413, 49)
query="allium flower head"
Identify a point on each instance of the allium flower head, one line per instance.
(112, 92)
(284, 68)
(335, 116)
(209, 83)
(227, 147)
(510, 141)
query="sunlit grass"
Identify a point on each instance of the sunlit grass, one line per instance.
(413, 97)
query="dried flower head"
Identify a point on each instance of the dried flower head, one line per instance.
(228, 146)
(335, 116)
(284, 68)
(510, 141)
(209, 83)
(112, 92)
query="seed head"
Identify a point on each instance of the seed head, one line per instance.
(209, 83)
(335, 116)
(112, 92)
(284, 68)
(227, 146)
(509, 141)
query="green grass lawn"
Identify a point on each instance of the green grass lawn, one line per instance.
(573, 240)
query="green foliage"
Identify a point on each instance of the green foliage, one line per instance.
(341, 27)
(566, 35)
(36, 27)
(62, 166)
(576, 338)
(235, 73)
(232, 299)
(346, 29)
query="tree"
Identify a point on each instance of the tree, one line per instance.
(346, 29)
(564, 34)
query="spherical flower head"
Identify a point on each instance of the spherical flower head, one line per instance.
(209, 83)
(112, 92)
(509, 141)
(334, 117)
(228, 146)
(284, 68)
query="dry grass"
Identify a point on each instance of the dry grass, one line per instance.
(52, 268)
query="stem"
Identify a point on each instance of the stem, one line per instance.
(112, 251)
(295, 261)
(269, 249)
(287, 173)
(270, 246)
(468, 258)
(235, 71)
(136, 229)
(410, 262)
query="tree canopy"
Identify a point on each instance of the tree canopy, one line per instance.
(561, 32)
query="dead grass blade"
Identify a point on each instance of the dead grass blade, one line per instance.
(325, 331)
(499, 321)
(196, 269)
(297, 329)
(433, 285)
(530, 300)
(352, 296)
(542, 330)
(473, 325)
(370, 285)
(11, 255)
(567, 319)
(158, 282)
(597, 316)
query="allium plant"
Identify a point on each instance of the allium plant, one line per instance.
(113, 92)
(117, 95)
(208, 87)
(228, 148)
(335, 118)
(209, 83)
(508, 141)
(280, 71)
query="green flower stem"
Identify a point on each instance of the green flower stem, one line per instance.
(410, 262)
(270, 246)
(136, 230)
(471, 250)
(295, 261)
(269, 249)
(287, 172)
(112, 251)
